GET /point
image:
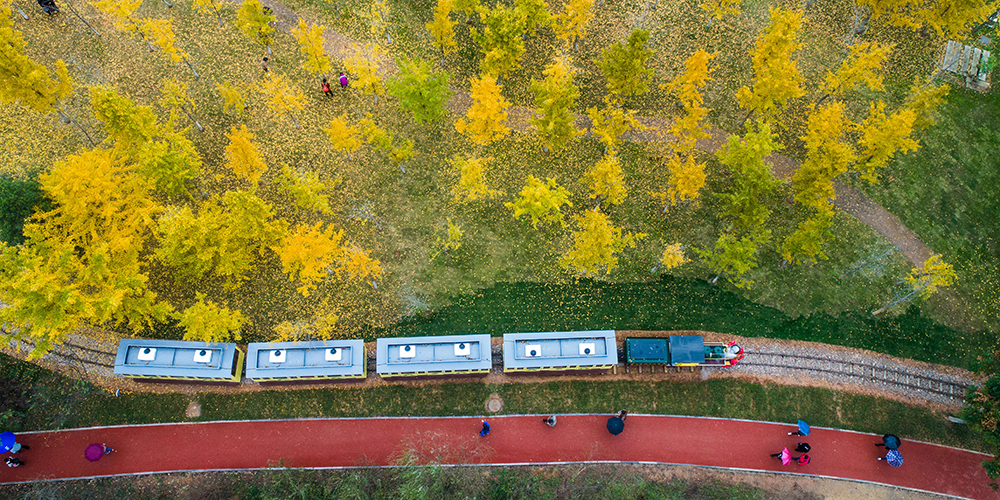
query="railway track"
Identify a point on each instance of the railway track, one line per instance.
(883, 376)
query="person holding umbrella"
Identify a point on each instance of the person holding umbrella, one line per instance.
(616, 425)
(890, 442)
(803, 429)
(95, 451)
(894, 458)
(785, 456)
(8, 443)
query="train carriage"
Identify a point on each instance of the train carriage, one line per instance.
(176, 360)
(546, 352)
(289, 362)
(681, 350)
(447, 355)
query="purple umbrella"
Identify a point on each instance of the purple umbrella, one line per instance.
(94, 452)
(786, 457)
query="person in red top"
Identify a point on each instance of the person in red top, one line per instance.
(803, 459)
(326, 88)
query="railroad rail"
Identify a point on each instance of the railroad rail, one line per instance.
(868, 373)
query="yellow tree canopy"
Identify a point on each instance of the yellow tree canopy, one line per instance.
(924, 99)
(308, 254)
(933, 274)
(606, 180)
(281, 97)
(161, 33)
(344, 137)
(776, 75)
(243, 157)
(232, 98)
(572, 23)
(442, 28)
(487, 117)
(306, 189)
(311, 43)
(612, 121)
(882, 136)
(719, 9)
(23, 80)
(686, 178)
(357, 264)
(827, 156)
(472, 179)
(555, 97)
(673, 256)
(542, 202)
(806, 243)
(254, 22)
(121, 12)
(687, 86)
(363, 63)
(596, 244)
(206, 321)
(862, 67)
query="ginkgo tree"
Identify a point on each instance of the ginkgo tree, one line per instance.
(80, 263)
(541, 201)
(606, 180)
(596, 244)
(175, 97)
(881, 137)
(208, 7)
(206, 321)
(306, 189)
(862, 67)
(945, 17)
(486, 119)
(828, 155)
(442, 28)
(232, 98)
(282, 98)
(571, 24)
(420, 90)
(923, 99)
(308, 252)
(243, 157)
(499, 39)
(24, 81)
(719, 9)
(555, 97)
(535, 14)
(924, 281)
(161, 33)
(256, 23)
(611, 121)
(312, 45)
(343, 136)
(362, 61)
(625, 65)
(471, 185)
(777, 77)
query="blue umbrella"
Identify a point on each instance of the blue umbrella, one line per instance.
(890, 441)
(894, 458)
(7, 441)
(616, 425)
(803, 428)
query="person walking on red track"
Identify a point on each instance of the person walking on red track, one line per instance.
(485, 430)
(803, 459)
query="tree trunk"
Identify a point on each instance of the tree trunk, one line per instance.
(196, 75)
(25, 16)
(200, 128)
(296, 122)
(169, 5)
(77, 14)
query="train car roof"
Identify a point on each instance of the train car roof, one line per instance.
(433, 354)
(174, 358)
(306, 359)
(549, 349)
(687, 349)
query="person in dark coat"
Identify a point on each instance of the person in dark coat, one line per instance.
(13, 462)
(551, 421)
(803, 448)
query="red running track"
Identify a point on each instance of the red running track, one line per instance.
(513, 440)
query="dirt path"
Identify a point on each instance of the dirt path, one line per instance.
(848, 199)
(514, 440)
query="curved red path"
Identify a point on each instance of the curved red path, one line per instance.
(513, 440)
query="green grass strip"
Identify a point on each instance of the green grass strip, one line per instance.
(686, 304)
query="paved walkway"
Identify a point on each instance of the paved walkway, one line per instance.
(514, 440)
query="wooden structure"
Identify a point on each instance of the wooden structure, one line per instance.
(967, 63)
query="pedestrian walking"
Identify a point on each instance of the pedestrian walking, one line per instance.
(803, 448)
(263, 64)
(13, 462)
(622, 414)
(8, 442)
(785, 456)
(326, 88)
(485, 430)
(551, 421)
(107, 449)
(343, 80)
(803, 429)
(802, 459)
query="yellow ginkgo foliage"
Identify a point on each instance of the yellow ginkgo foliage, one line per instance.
(305, 188)
(232, 98)
(243, 157)
(607, 180)
(443, 28)
(309, 253)
(363, 62)
(344, 137)
(673, 256)
(357, 264)
(596, 244)
(205, 321)
(487, 117)
(312, 44)
(610, 122)
(542, 201)
(472, 179)
(282, 98)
